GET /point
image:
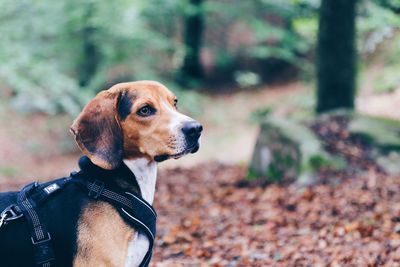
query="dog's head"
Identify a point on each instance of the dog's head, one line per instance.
(134, 120)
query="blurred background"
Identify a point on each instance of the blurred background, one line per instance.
(300, 101)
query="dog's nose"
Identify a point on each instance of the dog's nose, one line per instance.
(192, 129)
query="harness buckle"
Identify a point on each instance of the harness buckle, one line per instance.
(41, 241)
(43, 249)
(95, 189)
(10, 213)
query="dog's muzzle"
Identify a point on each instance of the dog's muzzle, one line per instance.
(192, 132)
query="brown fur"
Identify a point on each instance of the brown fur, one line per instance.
(103, 237)
(97, 131)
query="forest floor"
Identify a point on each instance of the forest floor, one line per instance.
(208, 217)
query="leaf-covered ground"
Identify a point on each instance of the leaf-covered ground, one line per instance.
(210, 217)
(207, 219)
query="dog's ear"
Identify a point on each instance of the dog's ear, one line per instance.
(97, 130)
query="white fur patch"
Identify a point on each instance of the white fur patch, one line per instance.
(146, 175)
(145, 172)
(177, 118)
(175, 126)
(137, 249)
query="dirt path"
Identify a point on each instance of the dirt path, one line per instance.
(385, 105)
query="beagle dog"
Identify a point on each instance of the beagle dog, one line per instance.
(138, 124)
(128, 128)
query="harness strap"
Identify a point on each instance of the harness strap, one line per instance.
(132, 208)
(40, 237)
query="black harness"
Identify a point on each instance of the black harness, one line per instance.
(131, 206)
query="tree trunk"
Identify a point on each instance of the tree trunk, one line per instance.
(336, 55)
(192, 70)
(90, 54)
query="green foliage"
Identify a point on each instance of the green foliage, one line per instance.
(274, 30)
(388, 81)
(386, 55)
(42, 42)
(29, 58)
(55, 55)
(375, 24)
(379, 42)
(279, 40)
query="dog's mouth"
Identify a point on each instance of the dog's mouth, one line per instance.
(191, 149)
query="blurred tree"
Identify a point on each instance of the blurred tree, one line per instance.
(192, 70)
(336, 55)
(90, 58)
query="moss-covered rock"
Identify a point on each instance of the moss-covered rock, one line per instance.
(381, 132)
(383, 135)
(286, 151)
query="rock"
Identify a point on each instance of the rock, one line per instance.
(286, 151)
(383, 135)
(381, 132)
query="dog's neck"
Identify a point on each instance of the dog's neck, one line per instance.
(145, 172)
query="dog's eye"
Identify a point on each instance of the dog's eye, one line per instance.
(146, 111)
(176, 103)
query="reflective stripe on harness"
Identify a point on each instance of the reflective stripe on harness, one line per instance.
(40, 237)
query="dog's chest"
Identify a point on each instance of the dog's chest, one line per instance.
(103, 237)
